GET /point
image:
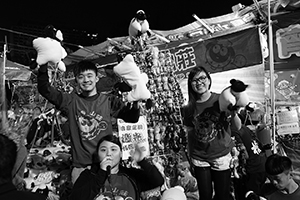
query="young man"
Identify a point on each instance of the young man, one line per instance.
(282, 186)
(89, 112)
(108, 179)
(254, 163)
(8, 158)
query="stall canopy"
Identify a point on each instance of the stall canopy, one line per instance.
(233, 44)
(15, 71)
(190, 33)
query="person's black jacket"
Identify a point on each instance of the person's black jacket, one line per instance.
(91, 181)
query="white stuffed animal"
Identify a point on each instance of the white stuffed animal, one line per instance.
(234, 96)
(130, 72)
(50, 51)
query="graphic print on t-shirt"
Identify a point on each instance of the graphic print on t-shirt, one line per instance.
(255, 148)
(121, 188)
(207, 125)
(90, 124)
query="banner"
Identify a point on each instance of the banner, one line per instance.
(232, 51)
(132, 134)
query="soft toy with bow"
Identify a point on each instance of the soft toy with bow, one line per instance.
(233, 97)
(49, 48)
(131, 74)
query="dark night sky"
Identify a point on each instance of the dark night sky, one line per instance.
(111, 19)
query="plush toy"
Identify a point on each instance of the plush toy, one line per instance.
(49, 50)
(186, 179)
(234, 96)
(130, 72)
(41, 182)
(139, 25)
(174, 193)
(139, 29)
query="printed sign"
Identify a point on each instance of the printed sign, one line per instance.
(132, 134)
(287, 40)
(288, 128)
(287, 117)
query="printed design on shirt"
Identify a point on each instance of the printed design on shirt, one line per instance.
(90, 124)
(113, 195)
(255, 148)
(207, 125)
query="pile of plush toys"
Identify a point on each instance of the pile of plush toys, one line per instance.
(48, 169)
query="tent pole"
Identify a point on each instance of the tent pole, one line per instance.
(2, 89)
(272, 87)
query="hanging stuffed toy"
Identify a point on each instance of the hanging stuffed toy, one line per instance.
(131, 74)
(49, 48)
(139, 28)
(139, 25)
(234, 96)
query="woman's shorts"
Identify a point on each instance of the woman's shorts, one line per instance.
(219, 164)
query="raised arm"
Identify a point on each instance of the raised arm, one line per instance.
(49, 92)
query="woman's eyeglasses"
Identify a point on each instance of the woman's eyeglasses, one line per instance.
(201, 79)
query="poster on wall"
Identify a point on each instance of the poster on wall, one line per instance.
(132, 134)
(286, 83)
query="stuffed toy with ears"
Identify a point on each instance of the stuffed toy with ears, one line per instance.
(131, 74)
(174, 193)
(139, 29)
(139, 25)
(49, 49)
(234, 96)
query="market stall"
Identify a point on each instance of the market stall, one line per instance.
(229, 46)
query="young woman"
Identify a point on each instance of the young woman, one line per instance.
(209, 138)
(108, 179)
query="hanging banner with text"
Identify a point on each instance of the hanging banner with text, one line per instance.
(233, 51)
(132, 134)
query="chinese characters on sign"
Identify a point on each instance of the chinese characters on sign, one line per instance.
(132, 134)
